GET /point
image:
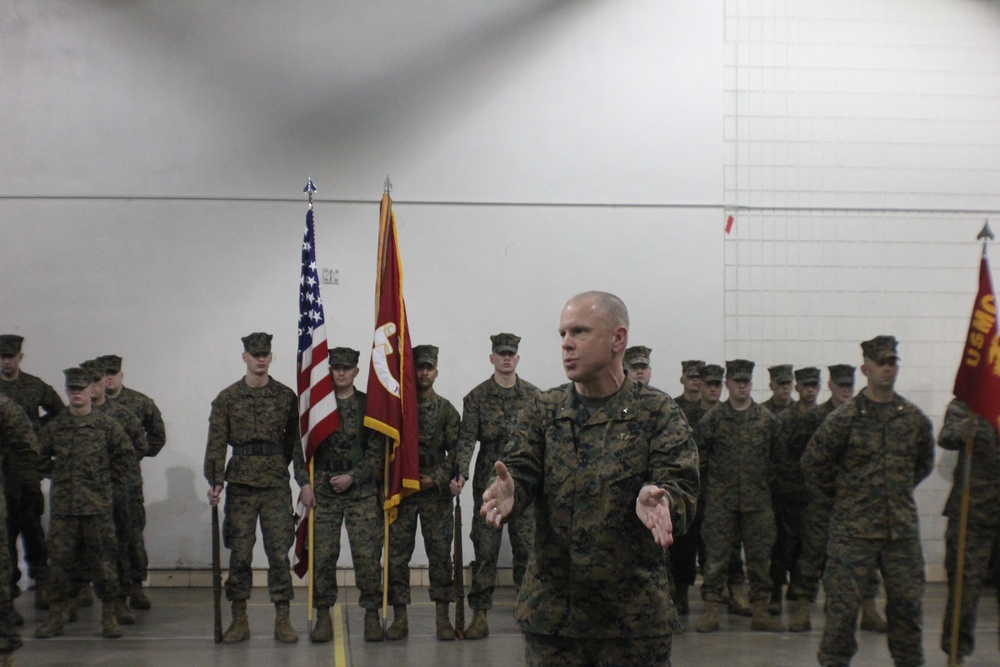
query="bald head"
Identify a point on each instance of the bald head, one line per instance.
(594, 332)
(605, 305)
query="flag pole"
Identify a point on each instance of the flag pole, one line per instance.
(386, 188)
(310, 189)
(985, 234)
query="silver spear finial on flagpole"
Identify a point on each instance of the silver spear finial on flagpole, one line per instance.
(310, 189)
(387, 186)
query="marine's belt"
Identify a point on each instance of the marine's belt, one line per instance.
(258, 448)
(337, 465)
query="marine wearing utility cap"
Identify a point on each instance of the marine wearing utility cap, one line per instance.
(842, 374)
(692, 368)
(111, 363)
(94, 367)
(78, 378)
(10, 344)
(344, 356)
(739, 369)
(505, 342)
(257, 343)
(637, 354)
(880, 348)
(711, 373)
(425, 355)
(780, 373)
(808, 375)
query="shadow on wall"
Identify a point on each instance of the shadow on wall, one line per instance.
(182, 519)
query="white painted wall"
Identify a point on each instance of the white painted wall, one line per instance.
(154, 156)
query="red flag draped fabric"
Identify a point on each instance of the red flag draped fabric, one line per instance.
(318, 417)
(977, 383)
(391, 407)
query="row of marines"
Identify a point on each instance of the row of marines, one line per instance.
(91, 452)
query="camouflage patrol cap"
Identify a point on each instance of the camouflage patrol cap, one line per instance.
(637, 354)
(505, 342)
(739, 369)
(880, 348)
(344, 356)
(257, 343)
(425, 355)
(841, 374)
(94, 368)
(692, 368)
(711, 373)
(112, 363)
(10, 344)
(780, 373)
(78, 378)
(807, 375)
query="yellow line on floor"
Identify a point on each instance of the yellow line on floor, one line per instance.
(339, 645)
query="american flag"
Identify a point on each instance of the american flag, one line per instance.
(318, 417)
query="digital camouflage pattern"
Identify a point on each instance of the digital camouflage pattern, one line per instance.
(358, 507)
(86, 456)
(25, 501)
(258, 486)
(983, 527)
(777, 410)
(433, 506)
(149, 415)
(130, 520)
(489, 414)
(739, 449)
(807, 573)
(242, 414)
(595, 570)
(866, 458)
(17, 442)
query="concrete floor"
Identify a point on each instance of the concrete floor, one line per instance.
(177, 632)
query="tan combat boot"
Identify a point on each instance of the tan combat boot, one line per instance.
(138, 599)
(444, 630)
(478, 628)
(400, 627)
(85, 598)
(283, 630)
(871, 620)
(123, 613)
(762, 620)
(738, 603)
(709, 621)
(53, 624)
(373, 626)
(323, 630)
(239, 629)
(801, 620)
(109, 620)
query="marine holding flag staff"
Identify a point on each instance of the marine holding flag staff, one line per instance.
(612, 470)
(257, 417)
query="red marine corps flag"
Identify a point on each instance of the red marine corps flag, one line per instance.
(392, 392)
(977, 383)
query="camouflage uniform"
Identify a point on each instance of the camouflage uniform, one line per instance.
(739, 450)
(867, 458)
(156, 437)
(595, 571)
(489, 413)
(689, 547)
(983, 528)
(260, 424)
(439, 426)
(808, 568)
(25, 501)
(131, 551)
(349, 450)
(17, 445)
(87, 457)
